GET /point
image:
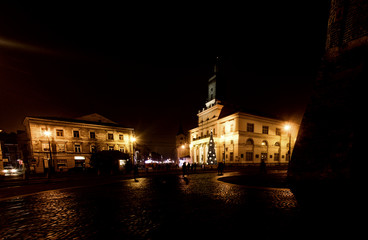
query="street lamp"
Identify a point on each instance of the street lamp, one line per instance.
(133, 140)
(287, 128)
(48, 135)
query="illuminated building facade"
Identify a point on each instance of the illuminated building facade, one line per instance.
(240, 138)
(182, 147)
(72, 141)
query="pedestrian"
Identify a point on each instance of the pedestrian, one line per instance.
(135, 172)
(220, 168)
(263, 169)
(184, 168)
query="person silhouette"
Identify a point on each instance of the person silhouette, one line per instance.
(184, 168)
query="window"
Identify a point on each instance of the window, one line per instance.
(278, 131)
(232, 128)
(45, 147)
(264, 143)
(59, 132)
(250, 127)
(93, 148)
(277, 144)
(249, 142)
(92, 135)
(60, 147)
(276, 157)
(121, 149)
(265, 129)
(249, 156)
(110, 136)
(121, 137)
(223, 130)
(76, 134)
(231, 156)
(77, 148)
(111, 147)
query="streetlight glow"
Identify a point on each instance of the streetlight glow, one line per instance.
(287, 127)
(47, 133)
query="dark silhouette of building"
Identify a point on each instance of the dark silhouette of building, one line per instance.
(326, 147)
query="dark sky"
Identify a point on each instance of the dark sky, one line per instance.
(147, 65)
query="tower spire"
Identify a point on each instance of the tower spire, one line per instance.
(215, 83)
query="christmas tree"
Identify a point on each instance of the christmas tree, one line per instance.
(211, 159)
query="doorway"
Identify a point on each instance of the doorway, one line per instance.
(264, 157)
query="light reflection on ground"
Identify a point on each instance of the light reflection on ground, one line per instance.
(150, 208)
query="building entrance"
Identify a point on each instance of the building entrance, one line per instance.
(264, 157)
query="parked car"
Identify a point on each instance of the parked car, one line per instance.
(11, 171)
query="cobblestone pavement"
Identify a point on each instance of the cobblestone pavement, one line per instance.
(158, 207)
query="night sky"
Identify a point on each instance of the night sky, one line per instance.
(147, 66)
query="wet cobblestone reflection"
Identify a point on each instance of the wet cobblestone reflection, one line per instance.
(152, 208)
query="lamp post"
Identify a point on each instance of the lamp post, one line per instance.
(133, 139)
(48, 135)
(287, 128)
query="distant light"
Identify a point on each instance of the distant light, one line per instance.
(287, 127)
(182, 146)
(79, 158)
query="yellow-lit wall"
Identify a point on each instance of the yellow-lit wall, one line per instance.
(63, 147)
(232, 131)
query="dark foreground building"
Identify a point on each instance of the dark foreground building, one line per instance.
(326, 149)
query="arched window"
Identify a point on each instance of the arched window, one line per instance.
(264, 143)
(249, 142)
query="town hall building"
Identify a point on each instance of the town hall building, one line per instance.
(236, 137)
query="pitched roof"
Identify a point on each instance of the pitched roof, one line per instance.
(94, 119)
(230, 109)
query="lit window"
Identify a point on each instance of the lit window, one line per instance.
(92, 135)
(93, 149)
(76, 134)
(59, 132)
(278, 131)
(77, 148)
